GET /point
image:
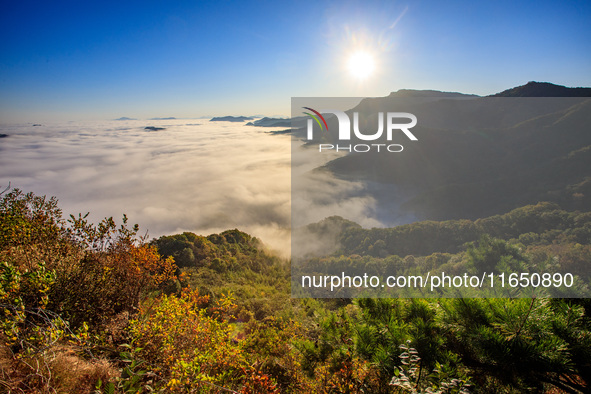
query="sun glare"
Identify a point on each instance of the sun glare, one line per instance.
(360, 65)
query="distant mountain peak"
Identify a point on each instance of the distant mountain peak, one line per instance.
(230, 118)
(543, 89)
(427, 93)
(271, 122)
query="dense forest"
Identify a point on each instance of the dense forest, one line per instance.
(94, 308)
(532, 239)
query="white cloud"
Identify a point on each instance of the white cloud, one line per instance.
(201, 177)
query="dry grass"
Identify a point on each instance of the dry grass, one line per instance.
(57, 370)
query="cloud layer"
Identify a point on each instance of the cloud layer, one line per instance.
(194, 176)
(189, 177)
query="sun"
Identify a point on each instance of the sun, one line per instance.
(360, 64)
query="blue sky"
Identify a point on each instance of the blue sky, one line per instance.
(102, 60)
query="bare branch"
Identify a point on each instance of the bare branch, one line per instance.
(5, 190)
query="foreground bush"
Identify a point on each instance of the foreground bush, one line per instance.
(63, 286)
(192, 345)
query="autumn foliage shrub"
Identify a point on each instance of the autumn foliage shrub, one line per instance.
(83, 272)
(192, 344)
(62, 282)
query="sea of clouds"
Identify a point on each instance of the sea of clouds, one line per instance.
(195, 175)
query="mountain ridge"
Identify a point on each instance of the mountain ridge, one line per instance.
(544, 89)
(481, 156)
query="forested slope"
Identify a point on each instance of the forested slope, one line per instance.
(93, 307)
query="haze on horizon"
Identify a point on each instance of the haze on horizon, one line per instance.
(77, 61)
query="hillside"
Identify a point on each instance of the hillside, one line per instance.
(477, 156)
(131, 320)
